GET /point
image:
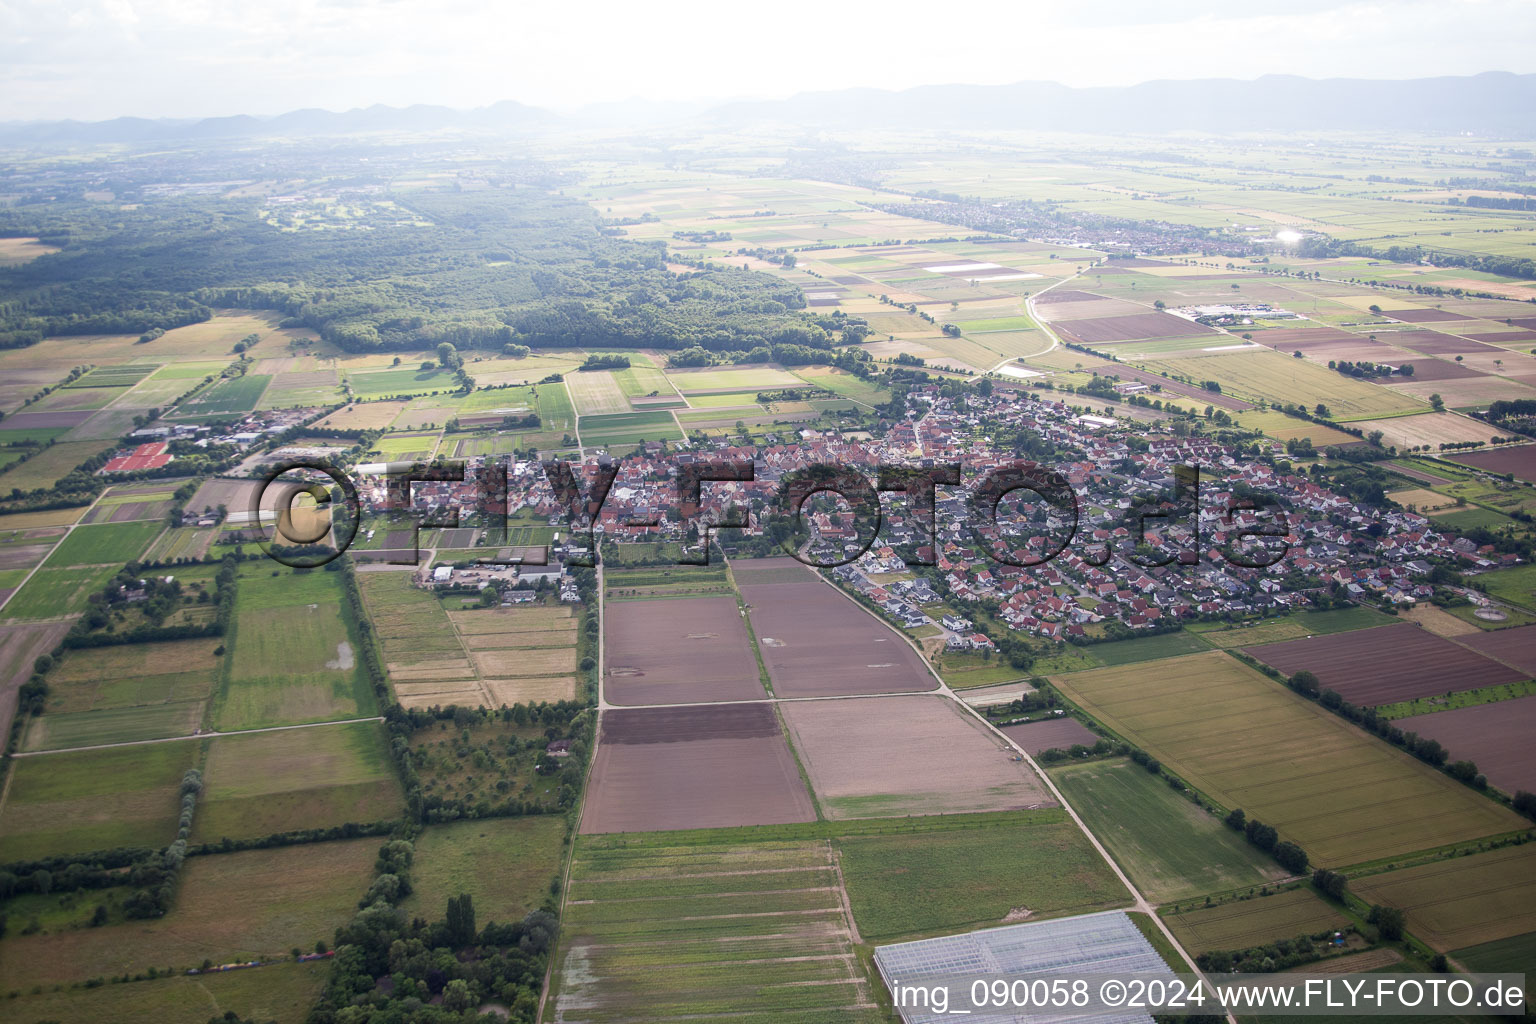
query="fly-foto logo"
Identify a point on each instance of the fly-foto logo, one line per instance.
(1043, 520)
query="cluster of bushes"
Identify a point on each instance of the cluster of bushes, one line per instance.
(1290, 856)
(150, 873)
(438, 972)
(1330, 884)
(605, 362)
(94, 629)
(1274, 956)
(1078, 751)
(561, 720)
(157, 890)
(1365, 370)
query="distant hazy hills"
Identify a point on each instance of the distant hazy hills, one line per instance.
(1493, 103)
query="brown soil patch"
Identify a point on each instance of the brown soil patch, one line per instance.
(659, 769)
(1495, 736)
(1424, 316)
(1436, 344)
(1385, 664)
(1137, 327)
(1515, 646)
(817, 642)
(1517, 459)
(677, 651)
(920, 754)
(1057, 733)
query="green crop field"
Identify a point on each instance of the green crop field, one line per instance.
(53, 592)
(114, 376)
(1517, 585)
(553, 403)
(295, 655)
(280, 993)
(93, 800)
(1246, 741)
(405, 380)
(104, 544)
(727, 400)
(1244, 923)
(226, 397)
(505, 864)
(266, 782)
(1150, 648)
(1169, 847)
(845, 385)
(751, 928)
(113, 725)
(628, 428)
(932, 879)
(1289, 627)
(1464, 901)
(50, 464)
(1505, 956)
(229, 907)
(1285, 428)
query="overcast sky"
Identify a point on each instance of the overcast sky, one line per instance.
(95, 59)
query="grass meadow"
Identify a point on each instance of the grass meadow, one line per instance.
(93, 800)
(288, 779)
(279, 993)
(295, 657)
(229, 907)
(935, 880)
(1169, 847)
(104, 544)
(1244, 923)
(505, 864)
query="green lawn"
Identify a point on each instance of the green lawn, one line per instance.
(295, 653)
(933, 879)
(280, 993)
(505, 864)
(113, 725)
(1517, 585)
(405, 380)
(266, 782)
(1169, 847)
(1148, 648)
(104, 544)
(93, 800)
(226, 397)
(54, 592)
(1289, 627)
(628, 428)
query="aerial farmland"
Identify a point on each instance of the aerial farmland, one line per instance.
(579, 560)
